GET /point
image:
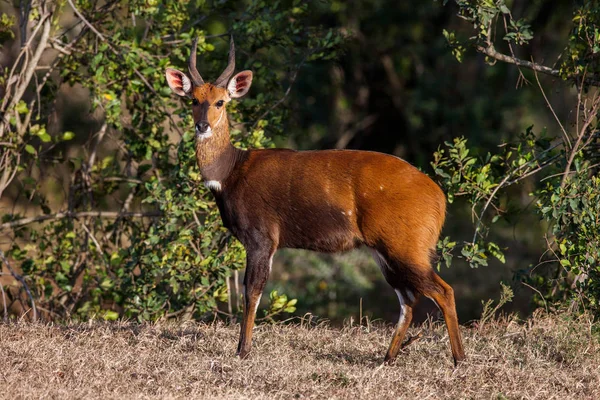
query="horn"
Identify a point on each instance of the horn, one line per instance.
(196, 78)
(222, 80)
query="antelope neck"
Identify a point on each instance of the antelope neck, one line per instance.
(216, 155)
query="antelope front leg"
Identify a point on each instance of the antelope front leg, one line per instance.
(258, 267)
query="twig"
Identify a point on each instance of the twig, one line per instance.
(538, 292)
(85, 21)
(505, 183)
(236, 283)
(177, 313)
(490, 51)
(62, 215)
(533, 171)
(119, 179)
(28, 72)
(512, 52)
(22, 281)
(14, 76)
(229, 295)
(92, 158)
(85, 228)
(285, 95)
(562, 128)
(581, 134)
(4, 303)
(412, 339)
(124, 208)
(189, 309)
(579, 102)
(487, 204)
(493, 194)
(567, 172)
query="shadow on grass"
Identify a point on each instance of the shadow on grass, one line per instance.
(132, 329)
(349, 358)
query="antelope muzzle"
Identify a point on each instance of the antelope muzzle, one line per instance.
(203, 130)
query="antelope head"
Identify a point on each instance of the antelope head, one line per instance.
(209, 100)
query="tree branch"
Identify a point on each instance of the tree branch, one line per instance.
(562, 128)
(576, 148)
(20, 279)
(81, 214)
(4, 303)
(28, 73)
(85, 21)
(491, 51)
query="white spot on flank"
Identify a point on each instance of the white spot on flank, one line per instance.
(380, 187)
(343, 213)
(213, 185)
(349, 212)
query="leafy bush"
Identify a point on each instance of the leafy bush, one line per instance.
(561, 165)
(132, 232)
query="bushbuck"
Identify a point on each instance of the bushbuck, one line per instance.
(326, 200)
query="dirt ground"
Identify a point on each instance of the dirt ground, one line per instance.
(544, 357)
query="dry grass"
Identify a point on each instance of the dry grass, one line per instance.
(545, 357)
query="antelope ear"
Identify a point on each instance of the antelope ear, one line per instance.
(239, 84)
(179, 83)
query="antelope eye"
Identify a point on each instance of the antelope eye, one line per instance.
(195, 101)
(219, 104)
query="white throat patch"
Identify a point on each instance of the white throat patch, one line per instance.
(213, 185)
(203, 135)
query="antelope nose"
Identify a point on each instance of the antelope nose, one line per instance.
(202, 126)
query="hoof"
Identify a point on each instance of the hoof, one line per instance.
(388, 360)
(460, 360)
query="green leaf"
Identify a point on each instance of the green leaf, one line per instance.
(68, 135)
(29, 148)
(22, 107)
(563, 248)
(106, 283)
(111, 315)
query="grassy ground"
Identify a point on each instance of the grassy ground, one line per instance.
(544, 357)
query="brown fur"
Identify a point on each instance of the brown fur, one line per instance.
(328, 201)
